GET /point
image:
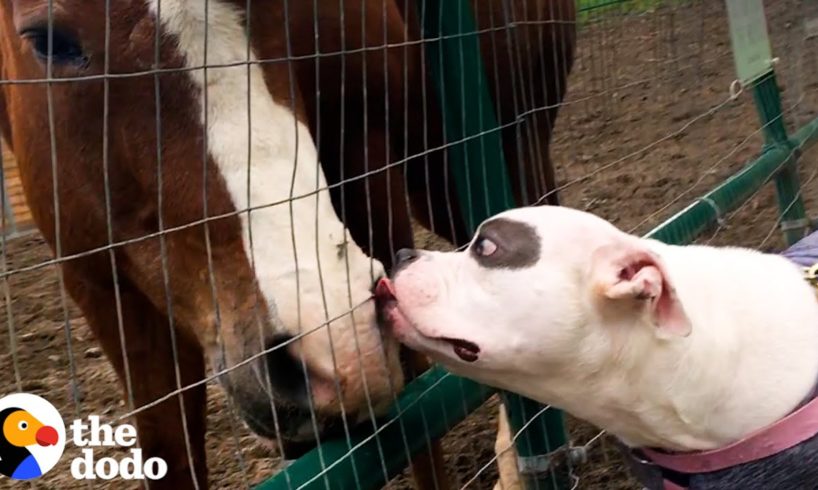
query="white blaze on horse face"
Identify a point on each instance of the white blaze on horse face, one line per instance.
(289, 243)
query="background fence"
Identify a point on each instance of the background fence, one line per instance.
(16, 212)
(649, 136)
(539, 431)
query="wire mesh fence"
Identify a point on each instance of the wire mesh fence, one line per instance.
(175, 176)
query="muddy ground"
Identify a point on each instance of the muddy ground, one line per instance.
(647, 127)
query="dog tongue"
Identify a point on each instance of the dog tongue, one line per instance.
(385, 290)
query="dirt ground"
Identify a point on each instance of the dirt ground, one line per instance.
(647, 127)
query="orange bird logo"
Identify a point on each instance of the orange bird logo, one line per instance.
(19, 430)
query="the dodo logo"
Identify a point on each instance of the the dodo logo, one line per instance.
(32, 436)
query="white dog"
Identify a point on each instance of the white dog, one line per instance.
(677, 348)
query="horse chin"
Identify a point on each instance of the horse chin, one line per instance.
(277, 422)
(296, 439)
(288, 450)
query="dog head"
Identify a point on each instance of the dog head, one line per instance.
(539, 291)
(662, 346)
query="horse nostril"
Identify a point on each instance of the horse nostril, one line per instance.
(286, 371)
(404, 257)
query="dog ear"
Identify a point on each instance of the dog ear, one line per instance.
(631, 275)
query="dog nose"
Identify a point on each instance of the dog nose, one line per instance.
(404, 257)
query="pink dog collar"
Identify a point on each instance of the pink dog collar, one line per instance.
(795, 428)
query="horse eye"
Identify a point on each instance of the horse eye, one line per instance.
(485, 247)
(64, 49)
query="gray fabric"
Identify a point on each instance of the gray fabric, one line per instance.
(793, 469)
(805, 251)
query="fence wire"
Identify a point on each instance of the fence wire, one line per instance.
(647, 125)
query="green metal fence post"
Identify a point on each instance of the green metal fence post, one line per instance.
(483, 188)
(794, 222)
(754, 63)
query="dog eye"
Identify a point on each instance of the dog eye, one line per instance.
(484, 247)
(23, 425)
(65, 48)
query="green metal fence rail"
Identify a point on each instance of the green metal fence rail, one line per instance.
(433, 403)
(436, 401)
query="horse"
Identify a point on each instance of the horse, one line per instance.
(222, 182)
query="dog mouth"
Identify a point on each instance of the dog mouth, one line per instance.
(464, 349)
(392, 316)
(384, 294)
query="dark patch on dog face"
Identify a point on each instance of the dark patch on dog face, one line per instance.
(506, 244)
